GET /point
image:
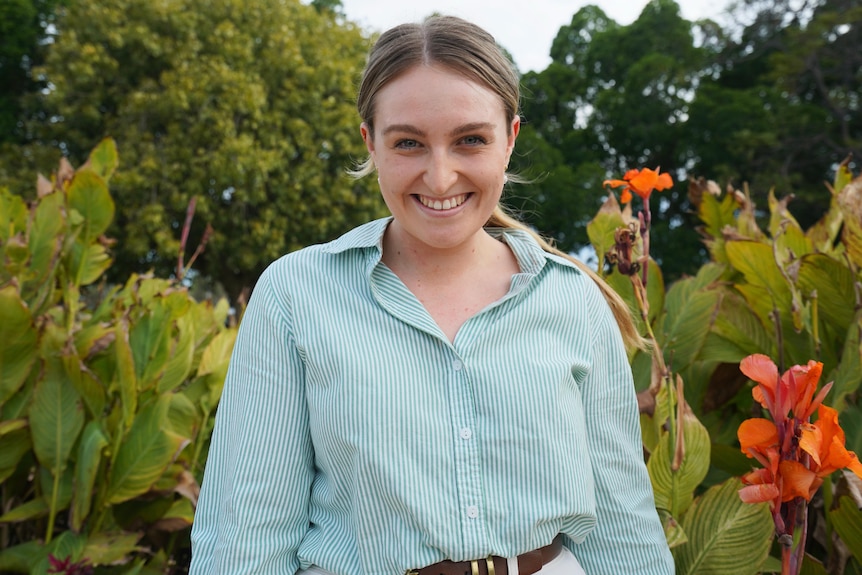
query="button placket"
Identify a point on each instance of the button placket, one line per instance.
(469, 473)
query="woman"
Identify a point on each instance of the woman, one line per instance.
(439, 391)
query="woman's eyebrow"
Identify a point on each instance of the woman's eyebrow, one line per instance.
(472, 127)
(404, 128)
(463, 129)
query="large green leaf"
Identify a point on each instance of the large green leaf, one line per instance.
(216, 356)
(13, 446)
(848, 376)
(791, 243)
(88, 263)
(13, 215)
(673, 531)
(103, 159)
(756, 262)
(89, 196)
(31, 510)
(600, 230)
(736, 332)
(109, 548)
(689, 318)
(851, 207)
(91, 390)
(46, 236)
(93, 441)
(147, 451)
(57, 490)
(15, 255)
(126, 381)
(811, 566)
(20, 558)
(183, 416)
(179, 366)
(149, 338)
(725, 535)
(846, 519)
(19, 338)
(833, 281)
(674, 489)
(717, 214)
(56, 417)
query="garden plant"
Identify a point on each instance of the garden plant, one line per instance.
(106, 391)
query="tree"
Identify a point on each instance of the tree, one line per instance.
(614, 97)
(245, 105)
(782, 107)
(24, 31)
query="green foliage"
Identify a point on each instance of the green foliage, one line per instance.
(789, 293)
(102, 436)
(725, 535)
(247, 105)
(613, 97)
(768, 99)
(779, 106)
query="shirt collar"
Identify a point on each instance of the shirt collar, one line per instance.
(530, 255)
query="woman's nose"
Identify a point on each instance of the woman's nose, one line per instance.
(440, 173)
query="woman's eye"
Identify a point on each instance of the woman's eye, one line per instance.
(474, 140)
(407, 144)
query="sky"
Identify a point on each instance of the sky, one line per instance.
(526, 28)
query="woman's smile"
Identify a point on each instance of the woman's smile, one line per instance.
(442, 205)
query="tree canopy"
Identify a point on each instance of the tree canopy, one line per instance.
(24, 34)
(247, 106)
(770, 100)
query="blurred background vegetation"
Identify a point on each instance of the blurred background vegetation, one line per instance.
(248, 105)
(113, 351)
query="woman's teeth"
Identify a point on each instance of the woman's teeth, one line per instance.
(446, 204)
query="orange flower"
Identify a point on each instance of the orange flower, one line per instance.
(757, 435)
(642, 182)
(797, 481)
(762, 484)
(794, 391)
(824, 442)
(779, 480)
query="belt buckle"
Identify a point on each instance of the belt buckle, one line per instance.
(489, 564)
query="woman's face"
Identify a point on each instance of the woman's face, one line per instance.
(441, 145)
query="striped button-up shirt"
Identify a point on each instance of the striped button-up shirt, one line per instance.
(353, 435)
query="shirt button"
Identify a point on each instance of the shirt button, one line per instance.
(472, 512)
(466, 433)
(457, 365)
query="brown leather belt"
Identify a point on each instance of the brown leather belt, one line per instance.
(528, 563)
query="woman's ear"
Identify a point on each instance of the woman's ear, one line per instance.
(367, 137)
(514, 129)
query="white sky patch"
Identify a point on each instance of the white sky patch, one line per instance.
(525, 29)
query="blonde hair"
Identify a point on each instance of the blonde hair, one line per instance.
(470, 51)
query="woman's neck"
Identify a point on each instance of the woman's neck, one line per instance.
(408, 257)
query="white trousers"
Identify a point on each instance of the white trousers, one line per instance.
(563, 564)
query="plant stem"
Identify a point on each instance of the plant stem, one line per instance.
(647, 218)
(52, 512)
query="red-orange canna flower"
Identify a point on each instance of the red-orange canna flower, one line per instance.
(823, 441)
(642, 182)
(794, 391)
(786, 474)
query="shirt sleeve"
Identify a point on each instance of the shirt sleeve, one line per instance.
(253, 508)
(628, 538)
